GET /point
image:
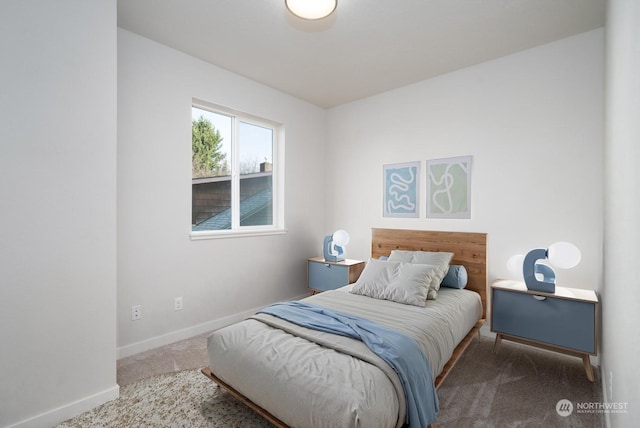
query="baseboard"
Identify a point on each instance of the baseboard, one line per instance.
(186, 333)
(62, 413)
(485, 331)
(606, 398)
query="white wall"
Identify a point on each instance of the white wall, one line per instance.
(58, 217)
(532, 121)
(621, 342)
(157, 261)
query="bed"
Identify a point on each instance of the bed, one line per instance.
(296, 376)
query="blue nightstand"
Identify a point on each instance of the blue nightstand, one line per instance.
(564, 321)
(323, 275)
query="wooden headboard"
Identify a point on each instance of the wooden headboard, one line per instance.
(469, 249)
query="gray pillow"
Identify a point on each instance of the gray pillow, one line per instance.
(438, 259)
(399, 282)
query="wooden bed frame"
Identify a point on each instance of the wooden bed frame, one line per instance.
(470, 250)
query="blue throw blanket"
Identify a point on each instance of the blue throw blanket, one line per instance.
(398, 350)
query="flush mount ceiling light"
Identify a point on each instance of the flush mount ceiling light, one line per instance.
(311, 9)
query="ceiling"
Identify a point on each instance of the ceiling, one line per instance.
(366, 47)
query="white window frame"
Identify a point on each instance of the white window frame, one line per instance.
(277, 176)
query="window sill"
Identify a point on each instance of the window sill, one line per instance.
(223, 234)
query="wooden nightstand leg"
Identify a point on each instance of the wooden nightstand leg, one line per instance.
(497, 342)
(587, 367)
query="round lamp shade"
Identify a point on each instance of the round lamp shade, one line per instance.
(311, 9)
(564, 255)
(340, 237)
(514, 265)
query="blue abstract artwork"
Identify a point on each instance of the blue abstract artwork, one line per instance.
(401, 189)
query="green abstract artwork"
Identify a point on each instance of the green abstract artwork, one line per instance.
(449, 187)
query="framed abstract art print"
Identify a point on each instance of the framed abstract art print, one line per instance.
(401, 189)
(449, 187)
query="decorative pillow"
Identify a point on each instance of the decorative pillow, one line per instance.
(456, 277)
(439, 259)
(396, 281)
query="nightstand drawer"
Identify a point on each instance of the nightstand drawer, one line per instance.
(557, 321)
(326, 276)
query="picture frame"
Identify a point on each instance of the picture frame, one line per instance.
(401, 190)
(449, 187)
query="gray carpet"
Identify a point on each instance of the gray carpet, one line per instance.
(518, 386)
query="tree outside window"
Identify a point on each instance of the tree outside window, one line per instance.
(207, 159)
(232, 171)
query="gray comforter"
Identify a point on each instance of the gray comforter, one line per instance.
(308, 378)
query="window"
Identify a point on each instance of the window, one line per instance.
(235, 168)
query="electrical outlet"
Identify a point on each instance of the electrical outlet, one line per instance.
(136, 312)
(177, 304)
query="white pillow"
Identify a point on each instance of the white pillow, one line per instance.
(440, 260)
(396, 281)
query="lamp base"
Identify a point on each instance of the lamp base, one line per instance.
(530, 268)
(545, 287)
(332, 252)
